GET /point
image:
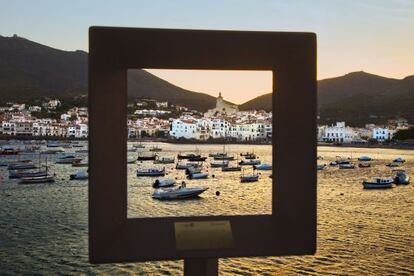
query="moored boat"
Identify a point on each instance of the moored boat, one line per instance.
(68, 159)
(187, 156)
(393, 164)
(197, 175)
(37, 179)
(347, 166)
(364, 165)
(79, 175)
(5, 150)
(197, 159)
(401, 177)
(364, 158)
(165, 160)
(231, 168)
(222, 164)
(26, 173)
(249, 162)
(21, 166)
(321, 167)
(378, 183)
(178, 193)
(156, 149)
(249, 177)
(399, 160)
(151, 157)
(263, 167)
(161, 183)
(150, 172)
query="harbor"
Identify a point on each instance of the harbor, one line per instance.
(354, 223)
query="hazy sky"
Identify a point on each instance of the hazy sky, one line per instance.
(374, 36)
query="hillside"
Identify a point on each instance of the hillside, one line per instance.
(30, 70)
(357, 98)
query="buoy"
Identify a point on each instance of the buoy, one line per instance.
(213, 176)
(217, 193)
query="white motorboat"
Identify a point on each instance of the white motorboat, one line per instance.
(378, 183)
(161, 183)
(79, 175)
(178, 193)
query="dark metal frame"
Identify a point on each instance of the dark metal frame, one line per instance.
(291, 228)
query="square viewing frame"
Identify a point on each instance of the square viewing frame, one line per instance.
(291, 56)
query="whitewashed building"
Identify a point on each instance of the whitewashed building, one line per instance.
(339, 133)
(381, 134)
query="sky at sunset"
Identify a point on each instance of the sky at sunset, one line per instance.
(373, 36)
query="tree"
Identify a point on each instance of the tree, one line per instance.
(404, 134)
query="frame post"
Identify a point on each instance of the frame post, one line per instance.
(201, 267)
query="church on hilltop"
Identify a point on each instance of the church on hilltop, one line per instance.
(222, 107)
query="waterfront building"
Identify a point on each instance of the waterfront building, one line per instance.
(381, 134)
(339, 133)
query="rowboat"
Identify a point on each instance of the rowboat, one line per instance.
(197, 175)
(164, 160)
(147, 157)
(347, 166)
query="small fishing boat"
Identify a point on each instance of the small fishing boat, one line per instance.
(164, 160)
(156, 149)
(131, 150)
(339, 162)
(178, 193)
(231, 169)
(224, 157)
(364, 158)
(187, 156)
(249, 162)
(399, 160)
(21, 166)
(250, 156)
(53, 145)
(151, 172)
(151, 157)
(364, 165)
(401, 177)
(249, 177)
(79, 164)
(393, 164)
(26, 173)
(182, 166)
(378, 183)
(161, 183)
(53, 150)
(321, 167)
(82, 151)
(68, 159)
(6, 150)
(197, 159)
(192, 170)
(263, 167)
(197, 175)
(79, 175)
(224, 163)
(246, 153)
(215, 154)
(37, 179)
(347, 166)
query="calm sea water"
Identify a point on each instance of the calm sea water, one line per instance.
(43, 228)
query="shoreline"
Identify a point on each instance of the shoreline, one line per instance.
(400, 145)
